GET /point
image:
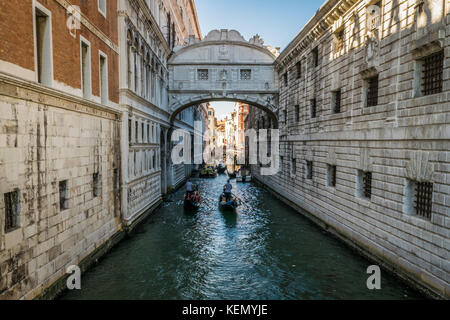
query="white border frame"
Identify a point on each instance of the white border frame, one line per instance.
(103, 13)
(86, 42)
(101, 54)
(40, 7)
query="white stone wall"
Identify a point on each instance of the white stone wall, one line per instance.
(405, 137)
(45, 139)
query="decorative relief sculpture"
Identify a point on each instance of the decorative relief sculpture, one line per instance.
(373, 34)
(419, 167)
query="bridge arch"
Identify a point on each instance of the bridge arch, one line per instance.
(223, 67)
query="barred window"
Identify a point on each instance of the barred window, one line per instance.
(285, 79)
(372, 91)
(433, 67)
(12, 210)
(424, 199)
(63, 195)
(313, 108)
(315, 56)
(95, 181)
(298, 67)
(297, 113)
(337, 101)
(285, 116)
(331, 176)
(309, 170)
(246, 74)
(364, 184)
(202, 74)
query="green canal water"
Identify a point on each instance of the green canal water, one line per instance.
(265, 251)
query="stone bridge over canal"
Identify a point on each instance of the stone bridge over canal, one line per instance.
(223, 66)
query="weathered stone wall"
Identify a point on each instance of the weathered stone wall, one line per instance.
(45, 138)
(404, 138)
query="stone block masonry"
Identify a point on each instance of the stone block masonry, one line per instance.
(46, 141)
(365, 90)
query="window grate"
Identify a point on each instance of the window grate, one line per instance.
(315, 57)
(202, 74)
(246, 74)
(95, 179)
(63, 195)
(337, 101)
(313, 108)
(367, 184)
(299, 69)
(372, 91)
(297, 113)
(433, 67)
(332, 172)
(309, 170)
(424, 199)
(11, 210)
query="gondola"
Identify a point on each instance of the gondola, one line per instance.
(208, 173)
(221, 168)
(231, 175)
(191, 205)
(230, 205)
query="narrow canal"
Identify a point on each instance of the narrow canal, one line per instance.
(266, 251)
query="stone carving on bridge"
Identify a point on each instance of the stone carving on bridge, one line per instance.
(236, 70)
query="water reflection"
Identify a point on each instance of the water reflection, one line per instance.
(264, 251)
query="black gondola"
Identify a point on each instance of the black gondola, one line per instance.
(229, 205)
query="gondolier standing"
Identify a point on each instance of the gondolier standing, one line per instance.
(227, 190)
(189, 188)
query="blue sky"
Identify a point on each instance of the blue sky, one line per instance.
(276, 21)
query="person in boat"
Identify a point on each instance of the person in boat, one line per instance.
(197, 196)
(227, 190)
(189, 189)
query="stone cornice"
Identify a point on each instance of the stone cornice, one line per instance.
(36, 91)
(90, 26)
(327, 14)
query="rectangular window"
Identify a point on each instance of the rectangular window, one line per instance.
(142, 132)
(331, 176)
(297, 113)
(95, 180)
(364, 184)
(313, 108)
(12, 211)
(309, 170)
(336, 101)
(285, 79)
(202, 74)
(315, 56)
(148, 133)
(86, 69)
(298, 68)
(372, 91)
(424, 199)
(136, 133)
(285, 113)
(103, 79)
(432, 72)
(116, 180)
(43, 47)
(293, 166)
(102, 7)
(246, 74)
(129, 130)
(63, 195)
